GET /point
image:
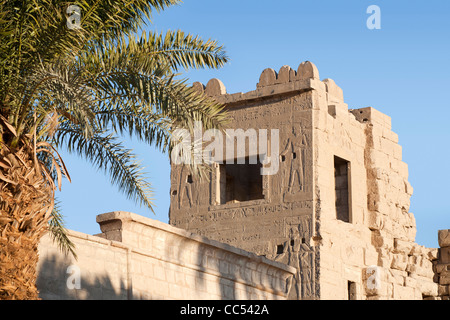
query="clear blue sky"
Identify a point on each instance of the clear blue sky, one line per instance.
(402, 70)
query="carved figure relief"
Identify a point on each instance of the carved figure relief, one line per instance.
(294, 154)
(186, 192)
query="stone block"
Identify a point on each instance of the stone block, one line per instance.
(401, 246)
(199, 87)
(444, 238)
(379, 159)
(433, 253)
(443, 290)
(441, 267)
(426, 285)
(370, 256)
(444, 255)
(268, 77)
(397, 152)
(400, 167)
(215, 87)
(398, 276)
(403, 293)
(408, 188)
(417, 249)
(285, 75)
(399, 262)
(375, 220)
(372, 115)
(335, 93)
(410, 282)
(390, 135)
(307, 70)
(444, 278)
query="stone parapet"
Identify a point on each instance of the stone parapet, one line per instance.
(139, 258)
(271, 83)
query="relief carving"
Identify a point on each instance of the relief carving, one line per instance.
(294, 156)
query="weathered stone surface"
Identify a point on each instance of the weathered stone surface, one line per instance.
(433, 254)
(444, 278)
(401, 246)
(426, 287)
(444, 238)
(336, 206)
(441, 267)
(443, 290)
(158, 262)
(444, 255)
(399, 262)
(199, 86)
(307, 70)
(403, 293)
(285, 75)
(268, 77)
(335, 93)
(215, 87)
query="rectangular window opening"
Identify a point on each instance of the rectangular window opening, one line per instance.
(351, 287)
(280, 249)
(342, 189)
(240, 182)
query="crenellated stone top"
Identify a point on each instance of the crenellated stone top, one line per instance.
(286, 81)
(272, 83)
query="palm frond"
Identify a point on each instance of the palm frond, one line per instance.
(55, 89)
(154, 51)
(179, 49)
(163, 98)
(107, 153)
(58, 232)
(82, 88)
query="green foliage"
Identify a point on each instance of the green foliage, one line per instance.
(82, 89)
(59, 233)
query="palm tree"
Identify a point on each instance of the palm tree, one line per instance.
(82, 88)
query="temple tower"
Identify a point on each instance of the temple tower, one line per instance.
(333, 201)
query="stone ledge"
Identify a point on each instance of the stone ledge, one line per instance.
(164, 246)
(128, 218)
(271, 90)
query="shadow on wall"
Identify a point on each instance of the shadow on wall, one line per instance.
(60, 279)
(217, 273)
(229, 274)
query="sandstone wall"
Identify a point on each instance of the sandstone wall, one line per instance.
(279, 226)
(442, 265)
(379, 238)
(139, 258)
(337, 209)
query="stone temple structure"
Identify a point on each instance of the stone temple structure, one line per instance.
(329, 218)
(337, 209)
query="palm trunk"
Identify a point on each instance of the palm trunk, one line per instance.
(26, 201)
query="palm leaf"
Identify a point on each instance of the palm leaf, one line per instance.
(107, 153)
(82, 89)
(58, 232)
